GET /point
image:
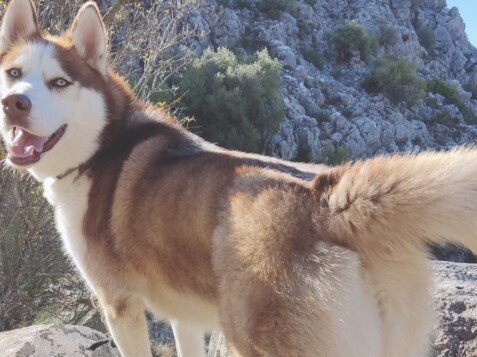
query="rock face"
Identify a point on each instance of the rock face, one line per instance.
(53, 340)
(456, 300)
(327, 108)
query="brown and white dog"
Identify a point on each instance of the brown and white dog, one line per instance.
(286, 259)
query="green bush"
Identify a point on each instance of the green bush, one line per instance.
(397, 79)
(472, 88)
(315, 58)
(303, 155)
(332, 156)
(350, 38)
(235, 103)
(340, 156)
(415, 4)
(311, 2)
(447, 90)
(426, 36)
(323, 117)
(387, 35)
(273, 8)
(444, 118)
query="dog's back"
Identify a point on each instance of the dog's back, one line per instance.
(287, 259)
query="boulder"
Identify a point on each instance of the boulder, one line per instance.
(53, 340)
(456, 301)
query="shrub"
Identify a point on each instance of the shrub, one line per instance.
(303, 155)
(426, 36)
(334, 156)
(387, 35)
(340, 156)
(472, 88)
(323, 117)
(444, 118)
(397, 79)
(311, 2)
(273, 8)
(350, 38)
(447, 90)
(37, 282)
(432, 102)
(415, 4)
(315, 58)
(235, 103)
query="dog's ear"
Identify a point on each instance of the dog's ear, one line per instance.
(19, 22)
(89, 37)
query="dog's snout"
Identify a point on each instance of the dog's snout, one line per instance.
(16, 107)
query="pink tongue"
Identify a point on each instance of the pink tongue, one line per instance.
(25, 144)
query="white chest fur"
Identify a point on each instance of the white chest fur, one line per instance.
(69, 197)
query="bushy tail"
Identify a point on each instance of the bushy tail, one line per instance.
(401, 200)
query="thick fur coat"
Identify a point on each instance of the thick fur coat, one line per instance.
(286, 259)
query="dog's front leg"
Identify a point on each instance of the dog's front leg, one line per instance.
(127, 324)
(189, 339)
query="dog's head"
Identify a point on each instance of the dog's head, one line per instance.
(52, 90)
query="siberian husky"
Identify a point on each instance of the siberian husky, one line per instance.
(285, 259)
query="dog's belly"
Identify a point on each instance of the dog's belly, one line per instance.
(167, 303)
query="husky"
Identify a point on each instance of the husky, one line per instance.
(285, 259)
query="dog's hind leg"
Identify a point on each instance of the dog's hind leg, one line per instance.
(189, 339)
(325, 313)
(400, 283)
(127, 323)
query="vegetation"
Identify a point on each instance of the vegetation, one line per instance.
(472, 88)
(350, 38)
(328, 155)
(332, 156)
(451, 96)
(415, 4)
(387, 35)
(443, 117)
(444, 88)
(315, 58)
(426, 36)
(235, 103)
(397, 79)
(339, 156)
(311, 2)
(323, 117)
(273, 8)
(37, 282)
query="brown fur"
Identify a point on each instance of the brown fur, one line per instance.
(289, 254)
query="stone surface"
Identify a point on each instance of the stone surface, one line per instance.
(368, 125)
(456, 301)
(53, 340)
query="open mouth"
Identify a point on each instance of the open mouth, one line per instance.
(26, 148)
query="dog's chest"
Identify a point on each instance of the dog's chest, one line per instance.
(69, 198)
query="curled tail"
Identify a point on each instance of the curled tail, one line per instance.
(401, 200)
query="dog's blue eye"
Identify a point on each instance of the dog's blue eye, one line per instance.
(60, 83)
(14, 72)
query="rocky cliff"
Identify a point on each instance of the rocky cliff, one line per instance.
(327, 108)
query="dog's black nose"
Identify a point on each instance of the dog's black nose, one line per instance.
(16, 107)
